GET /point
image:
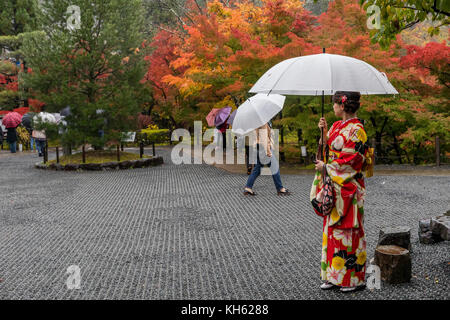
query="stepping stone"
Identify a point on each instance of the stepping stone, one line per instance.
(440, 226)
(394, 263)
(399, 236)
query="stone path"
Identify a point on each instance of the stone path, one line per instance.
(187, 232)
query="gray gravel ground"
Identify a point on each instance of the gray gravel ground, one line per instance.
(187, 232)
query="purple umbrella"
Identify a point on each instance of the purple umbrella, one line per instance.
(231, 118)
(222, 116)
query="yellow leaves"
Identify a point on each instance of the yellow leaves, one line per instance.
(227, 101)
(183, 61)
(185, 86)
(218, 8)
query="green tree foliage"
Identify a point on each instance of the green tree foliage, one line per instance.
(95, 69)
(9, 95)
(399, 15)
(17, 17)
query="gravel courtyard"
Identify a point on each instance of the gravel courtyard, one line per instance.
(188, 232)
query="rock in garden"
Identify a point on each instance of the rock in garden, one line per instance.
(157, 161)
(440, 226)
(125, 165)
(427, 237)
(110, 165)
(425, 225)
(55, 166)
(399, 236)
(91, 166)
(394, 263)
(71, 167)
(138, 163)
(148, 162)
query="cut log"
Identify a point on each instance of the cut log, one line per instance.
(394, 263)
(397, 236)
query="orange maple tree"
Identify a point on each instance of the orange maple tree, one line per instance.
(225, 49)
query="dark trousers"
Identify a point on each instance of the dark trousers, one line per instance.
(13, 147)
(274, 167)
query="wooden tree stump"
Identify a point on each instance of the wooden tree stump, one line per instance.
(394, 263)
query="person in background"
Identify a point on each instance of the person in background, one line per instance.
(33, 144)
(12, 139)
(223, 130)
(264, 142)
(40, 138)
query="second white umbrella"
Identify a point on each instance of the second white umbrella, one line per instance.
(257, 111)
(44, 117)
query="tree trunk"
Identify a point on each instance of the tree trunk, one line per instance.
(397, 149)
(25, 101)
(394, 263)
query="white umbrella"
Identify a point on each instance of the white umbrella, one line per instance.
(256, 111)
(58, 117)
(44, 117)
(323, 74)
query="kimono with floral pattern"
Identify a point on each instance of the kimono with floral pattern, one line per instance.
(344, 245)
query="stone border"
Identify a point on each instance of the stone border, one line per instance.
(141, 163)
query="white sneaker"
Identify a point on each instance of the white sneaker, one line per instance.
(327, 285)
(351, 289)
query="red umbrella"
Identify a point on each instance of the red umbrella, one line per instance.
(12, 120)
(211, 117)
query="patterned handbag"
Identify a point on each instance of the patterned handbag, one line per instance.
(324, 201)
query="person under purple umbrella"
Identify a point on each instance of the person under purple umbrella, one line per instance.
(221, 123)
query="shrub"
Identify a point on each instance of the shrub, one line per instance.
(153, 134)
(23, 137)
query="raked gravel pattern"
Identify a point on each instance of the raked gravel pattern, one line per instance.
(188, 232)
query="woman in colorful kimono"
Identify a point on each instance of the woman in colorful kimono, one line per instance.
(344, 245)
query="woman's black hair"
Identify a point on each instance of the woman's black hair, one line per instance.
(350, 100)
